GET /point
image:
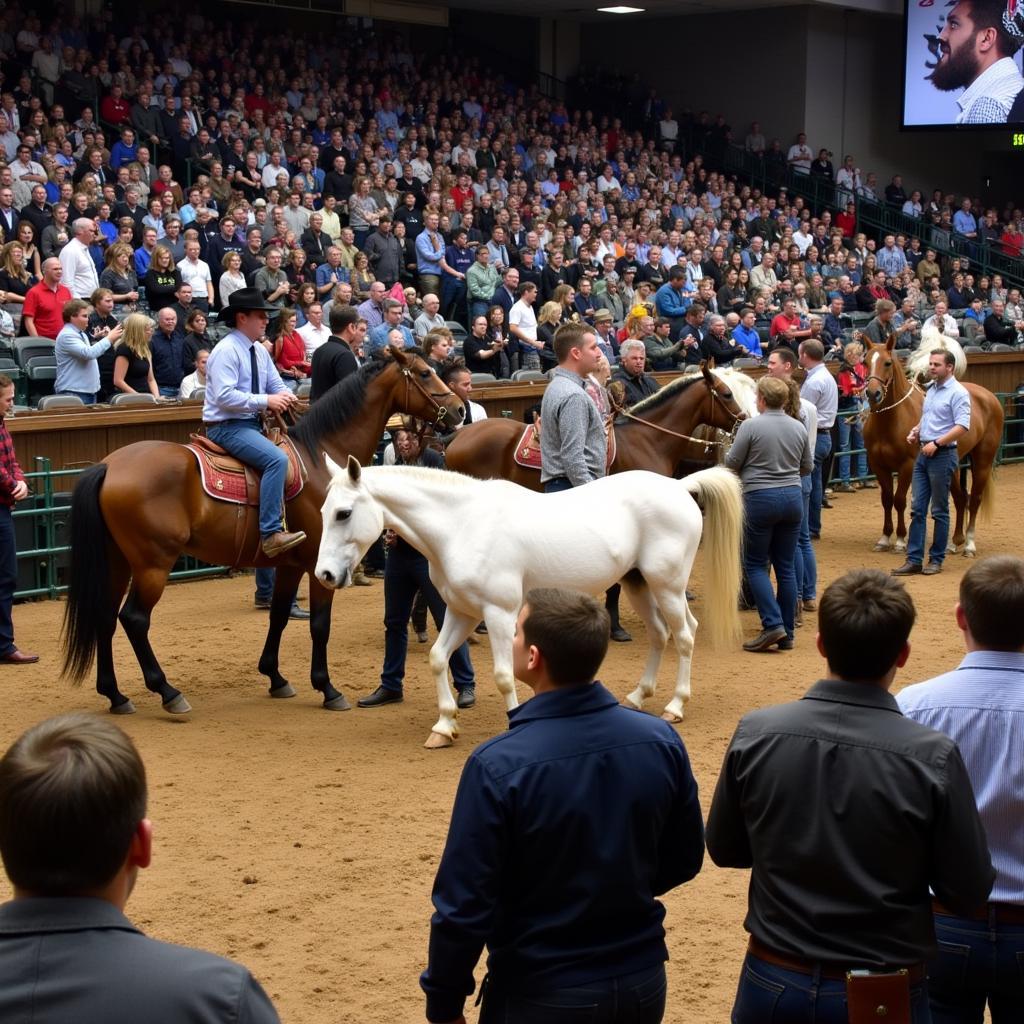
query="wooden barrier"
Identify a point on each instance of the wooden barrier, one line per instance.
(72, 438)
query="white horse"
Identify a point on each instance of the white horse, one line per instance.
(931, 338)
(637, 527)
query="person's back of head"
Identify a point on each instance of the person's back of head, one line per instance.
(568, 630)
(992, 603)
(864, 623)
(72, 795)
(813, 350)
(342, 317)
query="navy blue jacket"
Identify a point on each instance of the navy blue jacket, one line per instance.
(168, 354)
(564, 830)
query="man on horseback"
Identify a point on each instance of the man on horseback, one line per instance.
(242, 382)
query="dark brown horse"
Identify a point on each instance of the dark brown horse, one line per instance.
(894, 409)
(657, 436)
(136, 512)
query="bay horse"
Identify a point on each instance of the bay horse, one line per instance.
(136, 512)
(656, 436)
(894, 408)
(646, 536)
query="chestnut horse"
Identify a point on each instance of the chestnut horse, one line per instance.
(894, 408)
(657, 436)
(137, 511)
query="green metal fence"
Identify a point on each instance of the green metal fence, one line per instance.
(41, 536)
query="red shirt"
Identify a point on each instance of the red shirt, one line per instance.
(460, 196)
(293, 353)
(10, 471)
(848, 223)
(782, 323)
(116, 111)
(46, 307)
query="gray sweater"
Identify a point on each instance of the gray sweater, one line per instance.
(771, 450)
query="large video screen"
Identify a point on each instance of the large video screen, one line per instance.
(963, 63)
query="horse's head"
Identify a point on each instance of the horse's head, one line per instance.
(352, 521)
(725, 412)
(419, 392)
(881, 364)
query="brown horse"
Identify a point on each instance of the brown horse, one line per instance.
(136, 512)
(657, 436)
(894, 409)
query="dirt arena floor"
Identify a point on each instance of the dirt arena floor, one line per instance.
(304, 843)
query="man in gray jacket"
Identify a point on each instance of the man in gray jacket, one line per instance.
(73, 836)
(384, 252)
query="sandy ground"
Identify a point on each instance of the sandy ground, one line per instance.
(304, 843)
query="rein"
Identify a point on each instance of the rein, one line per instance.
(623, 411)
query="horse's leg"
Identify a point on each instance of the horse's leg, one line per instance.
(106, 677)
(501, 626)
(982, 463)
(885, 487)
(956, 492)
(147, 588)
(320, 601)
(902, 490)
(642, 600)
(286, 583)
(454, 631)
(683, 625)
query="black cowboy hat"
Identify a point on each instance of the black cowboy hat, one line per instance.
(245, 300)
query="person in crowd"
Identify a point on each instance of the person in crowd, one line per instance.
(290, 350)
(846, 889)
(429, 319)
(162, 280)
(13, 489)
(980, 706)
(43, 310)
(133, 363)
(436, 348)
(196, 380)
(486, 351)
(80, 276)
(945, 418)
(851, 381)
(997, 329)
(459, 379)
(570, 915)
(74, 837)
(167, 346)
(407, 572)
(314, 332)
(771, 453)
(77, 371)
(820, 389)
(119, 274)
(630, 372)
(339, 355)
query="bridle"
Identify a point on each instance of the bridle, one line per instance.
(411, 381)
(885, 392)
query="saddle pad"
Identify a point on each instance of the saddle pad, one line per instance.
(225, 478)
(527, 453)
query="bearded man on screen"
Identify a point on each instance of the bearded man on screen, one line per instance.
(975, 53)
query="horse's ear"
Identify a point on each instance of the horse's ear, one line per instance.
(401, 357)
(332, 467)
(891, 343)
(354, 469)
(705, 369)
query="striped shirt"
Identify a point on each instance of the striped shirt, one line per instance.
(980, 706)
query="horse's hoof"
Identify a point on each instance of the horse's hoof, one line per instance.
(882, 547)
(339, 703)
(437, 741)
(285, 690)
(671, 716)
(901, 545)
(178, 706)
(127, 708)
(969, 554)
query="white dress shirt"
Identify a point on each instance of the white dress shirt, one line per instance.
(79, 270)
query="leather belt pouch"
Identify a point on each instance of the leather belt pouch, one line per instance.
(873, 997)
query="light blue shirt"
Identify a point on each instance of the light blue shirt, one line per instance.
(429, 252)
(325, 272)
(964, 222)
(893, 261)
(377, 338)
(945, 407)
(76, 361)
(820, 389)
(980, 706)
(229, 391)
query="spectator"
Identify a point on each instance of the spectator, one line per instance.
(196, 338)
(196, 380)
(820, 389)
(851, 380)
(630, 372)
(42, 313)
(290, 350)
(997, 330)
(196, 272)
(167, 345)
(460, 381)
(77, 370)
(119, 274)
(379, 336)
(79, 269)
(979, 707)
(430, 317)
(314, 332)
(942, 322)
(73, 856)
(162, 280)
(339, 355)
(852, 892)
(133, 368)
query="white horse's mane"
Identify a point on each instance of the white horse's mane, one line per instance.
(932, 337)
(736, 380)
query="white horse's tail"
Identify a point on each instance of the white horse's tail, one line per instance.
(719, 493)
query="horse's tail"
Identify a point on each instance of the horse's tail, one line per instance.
(987, 508)
(719, 493)
(89, 582)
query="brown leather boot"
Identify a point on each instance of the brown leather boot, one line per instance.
(278, 543)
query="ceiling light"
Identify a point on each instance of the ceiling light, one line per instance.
(621, 10)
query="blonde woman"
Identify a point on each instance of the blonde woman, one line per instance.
(133, 364)
(232, 279)
(15, 279)
(119, 274)
(548, 320)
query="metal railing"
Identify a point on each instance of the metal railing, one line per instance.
(41, 535)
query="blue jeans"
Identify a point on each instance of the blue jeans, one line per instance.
(558, 483)
(170, 393)
(772, 526)
(850, 437)
(245, 440)
(806, 560)
(477, 308)
(772, 995)
(822, 446)
(405, 573)
(8, 579)
(630, 999)
(86, 396)
(931, 484)
(976, 962)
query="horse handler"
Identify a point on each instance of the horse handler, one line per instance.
(565, 830)
(945, 418)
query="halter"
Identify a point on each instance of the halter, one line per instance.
(411, 381)
(885, 391)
